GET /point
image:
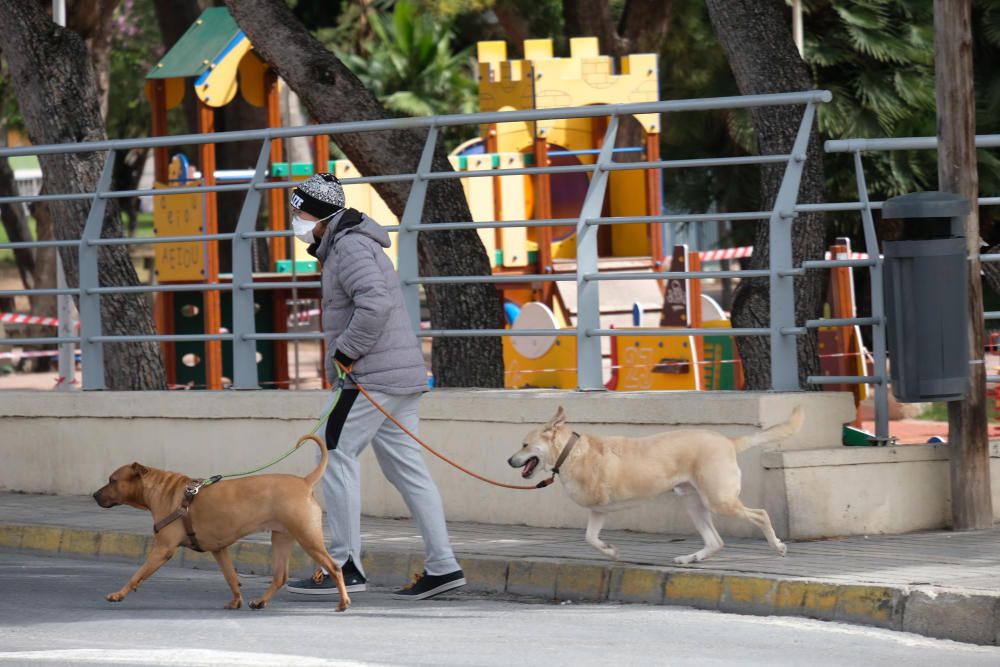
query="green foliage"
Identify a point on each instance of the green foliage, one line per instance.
(409, 65)
(692, 65)
(135, 47)
(10, 114)
(877, 58)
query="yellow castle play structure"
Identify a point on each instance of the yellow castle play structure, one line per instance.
(216, 59)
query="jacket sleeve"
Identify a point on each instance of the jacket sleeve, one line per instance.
(362, 278)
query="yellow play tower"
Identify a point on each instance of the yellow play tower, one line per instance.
(541, 81)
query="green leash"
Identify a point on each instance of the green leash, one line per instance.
(340, 388)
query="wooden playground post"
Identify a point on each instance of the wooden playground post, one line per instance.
(276, 197)
(653, 203)
(694, 307)
(163, 310)
(211, 300)
(161, 159)
(322, 163)
(491, 149)
(543, 211)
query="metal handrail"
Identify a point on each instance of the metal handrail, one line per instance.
(586, 275)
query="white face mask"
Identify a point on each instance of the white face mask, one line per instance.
(303, 229)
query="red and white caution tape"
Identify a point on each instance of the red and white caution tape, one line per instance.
(725, 253)
(847, 255)
(25, 354)
(303, 316)
(19, 318)
(747, 251)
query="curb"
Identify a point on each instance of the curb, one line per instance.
(942, 614)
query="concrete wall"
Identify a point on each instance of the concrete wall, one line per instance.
(867, 490)
(70, 442)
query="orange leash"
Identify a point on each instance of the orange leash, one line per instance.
(541, 485)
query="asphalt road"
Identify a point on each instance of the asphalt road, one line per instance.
(54, 613)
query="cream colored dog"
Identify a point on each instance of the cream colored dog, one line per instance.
(609, 473)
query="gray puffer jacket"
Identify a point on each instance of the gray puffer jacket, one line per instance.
(363, 312)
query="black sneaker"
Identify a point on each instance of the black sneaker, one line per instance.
(322, 583)
(426, 585)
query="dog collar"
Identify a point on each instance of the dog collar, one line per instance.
(567, 448)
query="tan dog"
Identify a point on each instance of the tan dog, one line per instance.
(224, 512)
(609, 473)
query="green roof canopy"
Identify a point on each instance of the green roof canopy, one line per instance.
(207, 39)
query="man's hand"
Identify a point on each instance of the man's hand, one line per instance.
(345, 361)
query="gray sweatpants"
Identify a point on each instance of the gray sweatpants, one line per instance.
(402, 463)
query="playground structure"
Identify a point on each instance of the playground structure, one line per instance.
(217, 60)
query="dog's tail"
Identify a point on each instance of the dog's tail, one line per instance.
(773, 434)
(316, 474)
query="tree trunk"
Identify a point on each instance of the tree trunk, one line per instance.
(642, 29)
(54, 83)
(968, 438)
(238, 115)
(174, 17)
(332, 93)
(44, 277)
(757, 40)
(127, 174)
(92, 20)
(16, 225)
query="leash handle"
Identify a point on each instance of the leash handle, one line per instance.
(337, 392)
(541, 485)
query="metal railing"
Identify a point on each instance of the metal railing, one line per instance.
(782, 330)
(880, 375)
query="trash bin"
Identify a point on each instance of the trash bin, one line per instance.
(926, 297)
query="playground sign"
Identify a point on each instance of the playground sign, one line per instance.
(179, 215)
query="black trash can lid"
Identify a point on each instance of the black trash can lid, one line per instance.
(925, 205)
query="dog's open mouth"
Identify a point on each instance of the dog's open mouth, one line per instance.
(529, 468)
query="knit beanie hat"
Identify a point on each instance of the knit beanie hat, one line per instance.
(320, 195)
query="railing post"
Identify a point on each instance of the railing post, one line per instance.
(64, 308)
(588, 315)
(91, 353)
(878, 306)
(406, 255)
(245, 348)
(784, 357)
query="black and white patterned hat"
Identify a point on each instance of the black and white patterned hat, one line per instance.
(321, 195)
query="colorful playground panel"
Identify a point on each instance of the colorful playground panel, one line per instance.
(556, 369)
(648, 363)
(218, 54)
(179, 215)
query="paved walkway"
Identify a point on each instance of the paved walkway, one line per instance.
(940, 583)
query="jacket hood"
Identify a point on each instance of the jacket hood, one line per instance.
(367, 226)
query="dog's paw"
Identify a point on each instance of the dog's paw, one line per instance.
(257, 604)
(782, 549)
(344, 604)
(234, 604)
(611, 551)
(685, 560)
(117, 596)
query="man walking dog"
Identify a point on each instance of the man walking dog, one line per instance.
(368, 333)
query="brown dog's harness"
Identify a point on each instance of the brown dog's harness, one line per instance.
(184, 511)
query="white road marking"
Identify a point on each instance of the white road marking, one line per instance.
(179, 656)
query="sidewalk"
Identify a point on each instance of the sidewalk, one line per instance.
(939, 584)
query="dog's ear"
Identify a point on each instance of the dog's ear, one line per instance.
(139, 469)
(559, 419)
